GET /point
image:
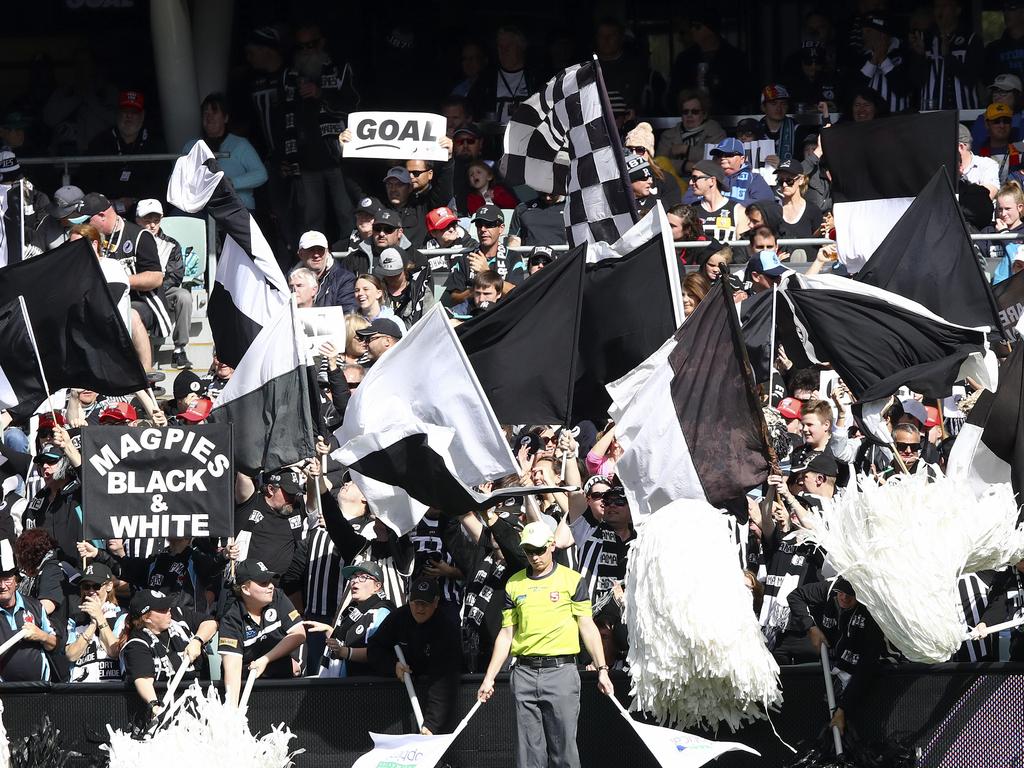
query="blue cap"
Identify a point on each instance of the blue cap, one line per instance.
(729, 146)
(767, 263)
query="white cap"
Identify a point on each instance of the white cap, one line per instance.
(148, 206)
(313, 239)
(536, 534)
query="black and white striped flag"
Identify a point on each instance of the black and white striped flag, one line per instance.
(563, 140)
(249, 289)
(878, 167)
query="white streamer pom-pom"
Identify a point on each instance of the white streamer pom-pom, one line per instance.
(205, 732)
(903, 546)
(696, 653)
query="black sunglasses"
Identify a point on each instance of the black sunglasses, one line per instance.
(901, 447)
(1001, 121)
(534, 550)
(596, 495)
(386, 228)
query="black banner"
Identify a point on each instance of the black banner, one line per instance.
(1009, 295)
(147, 482)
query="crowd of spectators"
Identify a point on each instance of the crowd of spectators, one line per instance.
(325, 588)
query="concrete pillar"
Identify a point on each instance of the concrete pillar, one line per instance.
(175, 70)
(211, 44)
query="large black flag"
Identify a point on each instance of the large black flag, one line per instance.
(82, 339)
(879, 341)
(990, 447)
(628, 312)
(928, 257)
(756, 322)
(878, 167)
(688, 419)
(19, 372)
(524, 350)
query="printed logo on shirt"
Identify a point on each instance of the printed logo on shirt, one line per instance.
(256, 516)
(359, 629)
(295, 521)
(127, 247)
(271, 614)
(293, 615)
(229, 642)
(554, 596)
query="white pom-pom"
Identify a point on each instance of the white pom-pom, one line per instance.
(696, 653)
(204, 732)
(903, 546)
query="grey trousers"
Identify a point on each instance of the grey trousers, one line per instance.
(547, 712)
(179, 307)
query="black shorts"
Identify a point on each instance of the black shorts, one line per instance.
(147, 316)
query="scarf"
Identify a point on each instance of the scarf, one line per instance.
(331, 122)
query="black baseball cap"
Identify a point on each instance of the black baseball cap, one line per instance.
(540, 255)
(792, 167)
(388, 217)
(842, 585)
(368, 567)
(252, 570)
(146, 600)
(488, 214)
(186, 383)
(423, 589)
(370, 206)
(471, 128)
(382, 325)
(96, 573)
(817, 462)
(94, 203)
(50, 454)
(287, 480)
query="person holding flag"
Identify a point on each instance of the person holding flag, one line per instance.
(547, 610)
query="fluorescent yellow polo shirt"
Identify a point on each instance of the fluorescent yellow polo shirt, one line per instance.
(544, 612)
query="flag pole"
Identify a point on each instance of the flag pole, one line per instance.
(613, 133)
(21, 206)
(407, 679)
(830, 693)
(39, 360)
(771, 348)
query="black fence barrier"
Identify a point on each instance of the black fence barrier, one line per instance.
(951, 715)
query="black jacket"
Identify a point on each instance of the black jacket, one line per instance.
(855, 640)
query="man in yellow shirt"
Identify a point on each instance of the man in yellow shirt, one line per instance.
(547, 610)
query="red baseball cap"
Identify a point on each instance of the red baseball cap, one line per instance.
(130, 100)
(198, 411)
(118, 413)
(46, 420)
(441, 218)
(933, 419)
(790, 407)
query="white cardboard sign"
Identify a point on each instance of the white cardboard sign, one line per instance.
(396, 135)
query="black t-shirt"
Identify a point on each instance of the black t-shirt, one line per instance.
(158, 656)
(136, 249)
(539, 224)
(807, 226)
(241, 636)
(719, 224)
(274, 537)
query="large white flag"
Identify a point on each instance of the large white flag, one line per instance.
(419, 431)
(410, 750)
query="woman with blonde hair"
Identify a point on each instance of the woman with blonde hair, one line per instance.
(1009, 217)
(640, 141)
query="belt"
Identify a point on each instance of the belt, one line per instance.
(539, 662)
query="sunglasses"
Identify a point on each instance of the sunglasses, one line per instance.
(615, 499)
(787, 182)
(1001, 121)
(691, 112)
(908, 447)
(89, 587)
(465, 142)
(638, 150)
(534, 550)
(417, 174)
(385, 228)
(596, 495)
(695, 178)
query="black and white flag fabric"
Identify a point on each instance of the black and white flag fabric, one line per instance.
(19, 372)
(563, 140)
(928, 257)
(688, 419)
(419, 431)
(989, 448)
(266, 401)
(249, 288)
(151, 483)
(538, 323)
(632, 302)
(1009, 296)
(85, 343)
(879, 341)
(878, 167)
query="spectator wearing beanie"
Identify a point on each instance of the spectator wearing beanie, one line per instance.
(640, 141)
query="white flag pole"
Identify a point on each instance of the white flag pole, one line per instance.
(771, 350)
(974, 634)
(247, 691)
(837, 737)
(39, 360)
(407, 679)
(172, 686)
(16, 638)
(21, 206)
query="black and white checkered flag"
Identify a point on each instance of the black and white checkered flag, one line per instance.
(562, 140)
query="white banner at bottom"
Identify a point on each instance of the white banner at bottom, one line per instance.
(409, 750)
